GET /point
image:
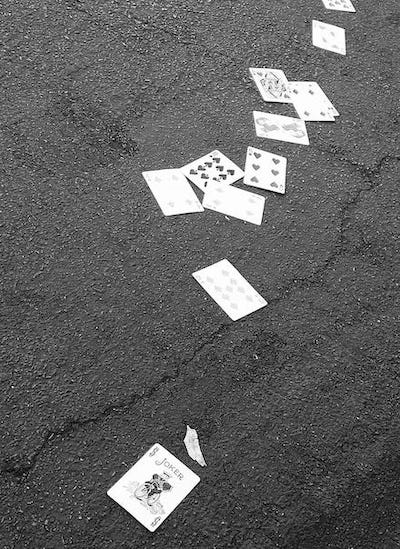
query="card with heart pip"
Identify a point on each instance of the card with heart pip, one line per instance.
(329, 37)
(173, 192)
(339, 5)
(232, 201)
(265, 170)
(311, 103)
(281, 128)
(272, 84)
(214, 166)
(154, 487)
(229, 289)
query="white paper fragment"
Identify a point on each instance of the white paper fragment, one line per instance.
(191, 441)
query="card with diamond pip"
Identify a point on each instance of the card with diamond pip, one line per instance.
(339, 5)
(309, 100)
(329, 37)
(173, 192)
(229, 289)
(154, 487)
(234, 202)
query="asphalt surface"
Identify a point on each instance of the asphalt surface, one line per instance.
(109, 345)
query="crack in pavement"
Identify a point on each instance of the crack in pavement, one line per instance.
(20, 470)
(370, 174)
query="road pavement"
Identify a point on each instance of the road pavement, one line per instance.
(109, 345)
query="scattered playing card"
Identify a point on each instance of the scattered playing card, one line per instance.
(327, 100)
(310, 102)
(234, 202)
(153, 487)
(265, 170)
(213, 166)
(281, 128)
(329, 37)
(229, 289)
(272, 84)
(192, 444)
(172, 192)
(339, 5)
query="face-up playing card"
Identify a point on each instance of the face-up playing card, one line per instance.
(339, 5)
(153, 487)
(323, 97)
(172, 192)
(229, 289)
(329, 37)
(234, 202)
(214, 166)
(272, 84)
(265, 170)
(281, 128)
(310, 102)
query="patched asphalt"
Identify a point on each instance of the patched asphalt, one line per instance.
(109, 344)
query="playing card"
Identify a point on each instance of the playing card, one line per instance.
(339, 5)
(234, 202)
(272, 84)
(153, 487)
(310, 102)
(229, 289)
(213, 166)
(265, 170)
(323, 97)
(329, 37)
(281, 128)
(172, 192)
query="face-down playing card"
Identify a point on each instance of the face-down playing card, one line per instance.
(281, 128)
(329, 37)
(214, 166)
(265, 170)
(272, 84)
(339, 5)
(234, 202)
(172, 191)
(153, 487)
(229, 289)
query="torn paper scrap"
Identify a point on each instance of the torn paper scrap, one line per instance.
(191, 441)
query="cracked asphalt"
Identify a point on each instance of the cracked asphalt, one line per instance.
(109, 345)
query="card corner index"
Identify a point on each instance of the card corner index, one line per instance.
(153, 447)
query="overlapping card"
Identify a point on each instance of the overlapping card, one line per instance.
(234, 202)
(281, 128)
(172, 192)
(154, 487)
(265, 170)
(272, 84)
(214, 166)
(339, 5)
(229, 289)
(329, 37)
(311, 103)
